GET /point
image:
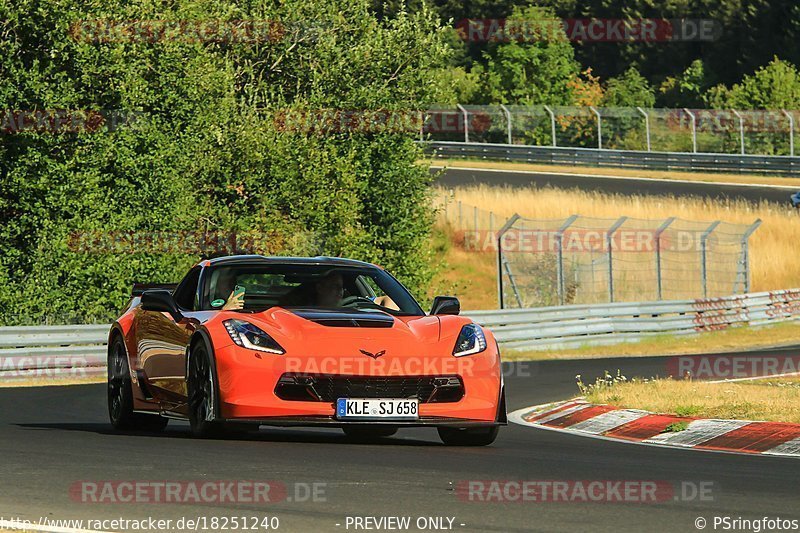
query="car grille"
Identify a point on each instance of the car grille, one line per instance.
(328, 388)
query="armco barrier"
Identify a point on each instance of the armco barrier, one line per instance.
(50, 351)
(32, 352)
(687, 161)
(594, 325)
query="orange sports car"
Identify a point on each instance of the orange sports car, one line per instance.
(245, 341)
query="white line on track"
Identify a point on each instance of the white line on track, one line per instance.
(629, 178)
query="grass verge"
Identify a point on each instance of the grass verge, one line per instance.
(730, 340)
(774, 399)
(772, 258)
(49, 382)
(752, 179)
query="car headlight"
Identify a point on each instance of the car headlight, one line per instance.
(471, 340)
(248, 336)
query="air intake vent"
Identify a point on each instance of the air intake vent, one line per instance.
(344, 319)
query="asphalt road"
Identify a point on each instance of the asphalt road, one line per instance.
(457, 176)
(51, 438)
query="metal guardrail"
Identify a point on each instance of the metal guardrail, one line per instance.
(686, 161)
(77, 351)
(31, 352)
(596, 325)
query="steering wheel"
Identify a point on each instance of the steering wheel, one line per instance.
(351, 300)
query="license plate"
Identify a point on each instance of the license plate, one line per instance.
(377, 408)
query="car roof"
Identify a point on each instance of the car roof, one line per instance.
(262, 259)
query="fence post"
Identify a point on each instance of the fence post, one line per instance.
(694, 130)
(659, 231)
(510, 222)
(459, 216)
(609, 237)
(646, 126)
(508, 122)
(560, 252)
(466, 122)
(475, 218)
(791, 131)
(552, 123)
(599, 127)
(491, 221)
(741, 129)
(704, 256)
(746, 253)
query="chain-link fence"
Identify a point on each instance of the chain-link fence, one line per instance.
(592, 260)
(755, 132)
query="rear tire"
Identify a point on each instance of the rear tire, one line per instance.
(202, 391)
(468, 436)
(120, 394)
(368, 433)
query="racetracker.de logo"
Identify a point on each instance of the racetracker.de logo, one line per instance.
(732, 366)
(582, 491)
(587, 30)
(582, 241)
(195, 492)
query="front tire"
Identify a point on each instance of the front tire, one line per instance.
(202, 391)
(120, 394)
(468, 436)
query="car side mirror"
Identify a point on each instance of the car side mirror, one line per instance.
(161, 301)
(445, 305)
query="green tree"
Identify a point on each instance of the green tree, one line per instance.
(208, 150)
(630, 89)
(686, 89)
(775, 86)
(535, 69)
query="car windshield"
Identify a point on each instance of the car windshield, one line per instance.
(308, 286)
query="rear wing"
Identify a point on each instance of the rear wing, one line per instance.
(139, 288)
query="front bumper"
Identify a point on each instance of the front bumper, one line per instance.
(247, 383)
(329, 421)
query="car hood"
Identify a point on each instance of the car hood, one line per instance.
(331, 331)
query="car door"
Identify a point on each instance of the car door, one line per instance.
(162, 342)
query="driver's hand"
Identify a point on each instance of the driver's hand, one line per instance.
(385, 301)
(234, 302)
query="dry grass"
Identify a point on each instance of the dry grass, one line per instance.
(630, 173)
(49, 382)
(730, 340)
(469, 276)
(774, 399)
(773, 246)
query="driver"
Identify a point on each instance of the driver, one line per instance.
(226, 284)
(329, 290)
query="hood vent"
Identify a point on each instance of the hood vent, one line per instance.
(343, 319)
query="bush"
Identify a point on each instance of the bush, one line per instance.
(88, 213)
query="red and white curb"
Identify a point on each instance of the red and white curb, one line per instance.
(642, 427)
